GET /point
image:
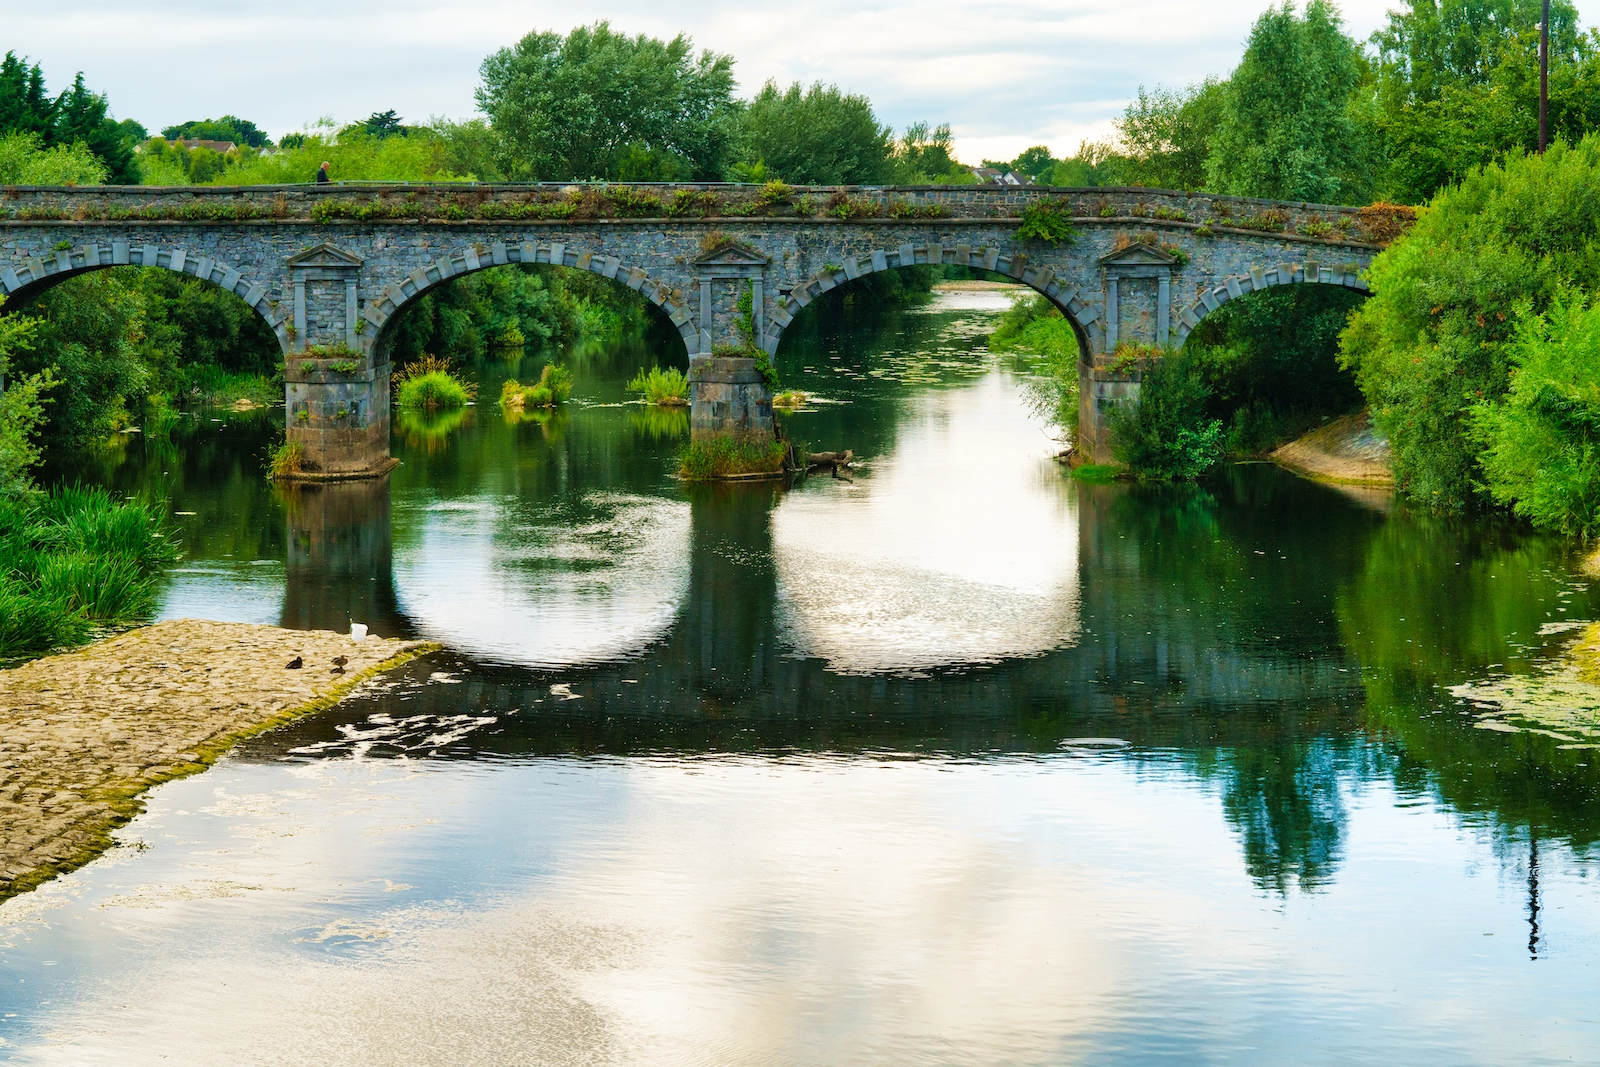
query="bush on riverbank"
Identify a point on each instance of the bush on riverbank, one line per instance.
(725, 457)
(1436, 341)
(1167, 434)
(669, 386)
(1541, 443)
(77, 561)
(551, 390)
(430, 384)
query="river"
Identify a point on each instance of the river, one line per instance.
(957, 760)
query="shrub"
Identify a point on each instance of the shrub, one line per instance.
(1036, 326)
(1046, 223)
(659, 386)
(1165, 434)
(1541, 441)
(723, 457)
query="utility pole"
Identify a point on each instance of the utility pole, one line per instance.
(1544, 79)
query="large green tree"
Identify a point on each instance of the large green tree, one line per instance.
(817, 136)
(1166, 134)
(1457, 86)
(598, 104)
(77, 116)
(228, 128)
(1293, 122)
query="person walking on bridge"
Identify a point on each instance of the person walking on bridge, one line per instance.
(322, 174)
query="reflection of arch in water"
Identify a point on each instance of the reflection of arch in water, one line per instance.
(383, 312)
(576, 581)
(21, 284)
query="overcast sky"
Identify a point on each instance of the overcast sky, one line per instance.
(1004, 75)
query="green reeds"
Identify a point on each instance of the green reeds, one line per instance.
(430, 384)
(75, 561)
(286, 460)
(551, 390)
(666, 387)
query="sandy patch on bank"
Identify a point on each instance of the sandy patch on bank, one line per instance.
(83, 734)
(1348, 451)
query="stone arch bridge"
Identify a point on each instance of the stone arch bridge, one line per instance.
(330, 268)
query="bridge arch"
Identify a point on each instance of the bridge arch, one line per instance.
(1041, 278)
(382, 312)
(1261, 278)
(37, 274)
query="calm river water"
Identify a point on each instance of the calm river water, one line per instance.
(957, 762)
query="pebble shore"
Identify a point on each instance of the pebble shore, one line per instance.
(84, 734)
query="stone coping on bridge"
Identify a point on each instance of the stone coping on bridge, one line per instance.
(678, 204)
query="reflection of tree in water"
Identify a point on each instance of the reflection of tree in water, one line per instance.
(1285, 803)
(429, 430)
(660, 422)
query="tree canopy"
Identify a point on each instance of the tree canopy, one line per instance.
(816, 136)
(228, 128)
(77, 116)
(598, 104)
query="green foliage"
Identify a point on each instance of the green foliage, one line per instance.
(22, 403)
(551, 390)
(431, 384)
(1541, 441)
(669, 386)
(594, 104)
(285, 460)
(1046, 222)
(818, 136)
(725, 457)
(1166, 434)
(241, 132)
(1166, 135)
(1457, 87)
(1291, 123)
(76, 117)
(24, 162)
(1096, 473)
(352, 156)
(1433, 339)
(1037, 326)
(926, 156)
(77, 560)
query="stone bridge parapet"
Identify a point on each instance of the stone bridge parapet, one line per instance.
(331, 268)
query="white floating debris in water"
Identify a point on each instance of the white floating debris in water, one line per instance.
(564, 691)
(1095, 742)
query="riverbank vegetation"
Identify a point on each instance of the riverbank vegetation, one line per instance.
(712, 458)
(668, 387)
(77, 562)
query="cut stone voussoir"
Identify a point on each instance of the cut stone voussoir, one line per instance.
(83, 734)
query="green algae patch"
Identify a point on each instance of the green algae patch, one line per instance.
(1562, 702)
(85, 734)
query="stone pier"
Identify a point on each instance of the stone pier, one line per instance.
(728, 398)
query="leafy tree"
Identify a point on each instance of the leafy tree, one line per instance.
(82, 117)
(1457, 86)
(384, 124)
(926, 156)
(816, 136)
(22, 412)
(1434, 339)
(1035, 162)
(576, 107)
(1166, 134)
(241, 132)
(1291, 123)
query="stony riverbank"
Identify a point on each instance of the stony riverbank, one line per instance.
(1347, 451)
(85, 733)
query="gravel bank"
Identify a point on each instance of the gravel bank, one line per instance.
(85, 733)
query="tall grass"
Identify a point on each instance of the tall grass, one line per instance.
(75, 561)
(551, 390)
(667, 387)
(726, 457)
(431, 384)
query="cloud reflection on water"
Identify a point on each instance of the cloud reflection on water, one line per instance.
(897, 572)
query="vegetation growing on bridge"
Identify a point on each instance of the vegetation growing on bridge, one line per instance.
(713, 458)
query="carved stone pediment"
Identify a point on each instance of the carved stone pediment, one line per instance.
(731, 254)
(325, 257)
(1138, 255)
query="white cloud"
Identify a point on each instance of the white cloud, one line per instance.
(1004, 76)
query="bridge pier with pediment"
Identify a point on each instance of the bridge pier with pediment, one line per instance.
(331, 269)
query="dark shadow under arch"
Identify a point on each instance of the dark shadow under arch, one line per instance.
(1261, 279)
